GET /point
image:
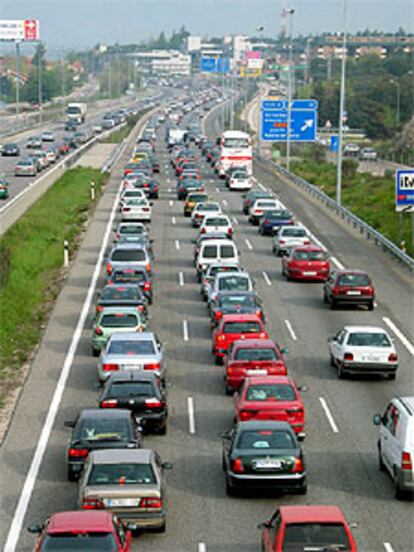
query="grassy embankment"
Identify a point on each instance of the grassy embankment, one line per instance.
(31, 255)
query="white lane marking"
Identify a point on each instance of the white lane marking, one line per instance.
(217, 189)
(177, 245)
(249, 245)
(407, 344)
(173, 220)
(267, 279)
(329, 415)
(169, 190)
(234, 219)
(262, 187)
(292, 333)
(181, 278)
(185, 330)
(202, 547)
(171, 202)
(191, 417)
(388, 547)
(27, 490)
(338, 263)
(211, 180)
(224, 202)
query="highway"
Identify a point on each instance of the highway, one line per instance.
(340, 447)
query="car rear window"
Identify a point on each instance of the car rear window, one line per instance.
(266, 204)
(80, 542)
(198, 197)
(365, 339)
(121, 474)
(125, 255)
(237, 301)
(277, 392)
(216, 221)
(241, 327)
(353, 280)
(265, 439)
(256, 354)
(231, 283)
(126, 347)
(210, 252)
(208, 207)
(294, 232)
(129, 276)
(112, 293)
(119, 320)
(310, 256)
(227, 251)
(104, 429)
(323, 536)
(136, 202)
(131, 389)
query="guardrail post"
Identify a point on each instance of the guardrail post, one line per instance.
(403, 246)
(92, 190)
(66, 253)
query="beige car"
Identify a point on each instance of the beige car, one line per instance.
(128, 483)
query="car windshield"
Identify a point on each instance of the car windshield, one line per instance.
(227, 251)
(131, 389)
(251, 353)
(104, 429)
(353, 280)
(236, 142)
(128, 276)
(269, 392)
(208, 207)
(367, 339)
(237, 301)
(241, 327)
(126, 347)
(112, 293)
(265, 439)
(233, 283)
(126, 255)
(196, 197)
(80, 542)
(119, 320)
(121, 474)
(293, 232)
(310, 256)
(320, 536)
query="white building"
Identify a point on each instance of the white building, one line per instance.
(164, 62)
(193, 44)
(241, 44)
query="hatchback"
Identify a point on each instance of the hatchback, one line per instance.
(350, 287)
(111, 320)
(128, 255)
(288, 237)
(307, 262)
(202, 210)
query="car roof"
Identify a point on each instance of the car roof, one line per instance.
(262, 424)
(122, 309)
(311, 247)
(371, 329)
(229, 293)
(92, 413)
(237, 273)
(253, 343)
(220, 242)
(313, 513)
(241, 318)
(80, 520)
(115, 456)
(126, 245)
(260, 380)
(122, 286)
(350, 271)
(132, 336)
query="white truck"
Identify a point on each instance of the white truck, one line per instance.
(76, 112)
(175, 136)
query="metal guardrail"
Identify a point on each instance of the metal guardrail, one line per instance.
(357, 223)
(107, 166)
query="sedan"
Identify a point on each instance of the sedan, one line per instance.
(128, 483)
(288, 237)
(235, 302)
(130, 229)
(308, 262)
(273, 220)
(363, 350)
(260, 207)
(202, 210)
(133, 275)
(125, 295)
(187, 186)
(10, 150)
(34, 142)
(4, 188)
(128, 255)
(140, 392)
(25, 167)
(350, 287)
(251, 197)
(229, 281)
(48, 136)
(111, 320)
(132, 351)
(240, 180)
(263, 455)
(216, 223)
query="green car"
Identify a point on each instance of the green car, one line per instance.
(114, 320)
(4, 188)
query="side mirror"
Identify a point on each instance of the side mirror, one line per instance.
(301, 436)
(35, 528)
(167, 385)
(284, 351)
(302, 388)
(167, 466)
(69, 423)
(353, 525)
(377, 419)
(224, 435)
(265, 525)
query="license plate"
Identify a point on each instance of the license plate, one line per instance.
(353, 293)
(122, 502)
(309, 273)
(131, 366)
(268, 464)
(256, 373)
(372, 358)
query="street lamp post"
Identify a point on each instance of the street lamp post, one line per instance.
(341, 104)
(17, 83)
(289, 11)
(39, 83)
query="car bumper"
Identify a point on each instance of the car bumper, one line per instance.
(299, 275)
(406, 480)
(284, 482)
(353, 299)
(245, 186)
(139, 520)
(142, 217)
(369, 368)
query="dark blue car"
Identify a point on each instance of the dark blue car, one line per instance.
(272, 220)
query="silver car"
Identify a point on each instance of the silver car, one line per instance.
(229, 281)
(288, 237)
(132, 351)
(128, 255)
(25, 167)
(211, 273)
(127, 483)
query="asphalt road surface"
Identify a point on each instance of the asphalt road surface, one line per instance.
(340, 449)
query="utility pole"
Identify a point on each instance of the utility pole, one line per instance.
(17, 83)
(39, 83)
(290, 12)
(341, 104)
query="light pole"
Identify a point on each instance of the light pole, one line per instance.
(39, 82)
(341, 104)
(289, 11)
(398, 86)
(17, 83)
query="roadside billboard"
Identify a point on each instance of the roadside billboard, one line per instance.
(16, 30)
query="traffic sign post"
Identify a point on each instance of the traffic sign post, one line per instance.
(214, 65)
(303, 120)
(334, 145)
(404, 191)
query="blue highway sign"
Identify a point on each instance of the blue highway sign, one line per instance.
(303, 120)
(208, 65)
(334, 145)
(404, 190)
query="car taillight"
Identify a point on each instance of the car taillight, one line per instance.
(89, 503)
(110, 367)
(217, 315)
(263, 335)
(203, 231)
(152, 366)
(109, 403)
(406, 463)
(393, 357)
(259, 313)
(230, 231)
(78, 453)
(306, 242)
(282, 242)
(126, 209)
(108, 268)
(295, 412)
(237, 466)
(147, 286)
(153, 403)
(99, 308)
(348, 356)
(98, 331)
(221, 337)
(151, 502)
(297, 465)
(141, 308)
(148, 267)
(246, 415)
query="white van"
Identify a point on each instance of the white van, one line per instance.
(396, 443)
(215, 251)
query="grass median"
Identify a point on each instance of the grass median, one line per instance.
(31, 254)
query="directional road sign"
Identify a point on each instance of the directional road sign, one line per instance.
(208, 65)
(334, 145)
(404, 190)
(303, 120)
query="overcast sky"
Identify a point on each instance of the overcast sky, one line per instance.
(83, 23)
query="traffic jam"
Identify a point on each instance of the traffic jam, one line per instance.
(122, 484)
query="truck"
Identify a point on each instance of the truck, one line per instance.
(235, 151)
(175, 136)
(76, 112)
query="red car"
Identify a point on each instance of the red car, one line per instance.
(307, 528)
(255, 357)
(270, 398)
(82, 530)
(306, 262)
(233, 327)
(351, 287)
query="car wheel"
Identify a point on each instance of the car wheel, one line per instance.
(392, 377)
(163, 429)
(399, 492)
(381, 465)
(218, 361)
(303, 489)
(274, 250)
(332, 360)
(162, 528)
(72, 476)
(230, 491)
(223, 463)
(371, 306)
(332, 304)
(229, 391)
(340, 370)
(95, 352)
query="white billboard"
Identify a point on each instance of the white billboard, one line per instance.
(193, 43)
(15, 30)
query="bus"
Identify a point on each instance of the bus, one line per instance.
(235, 151)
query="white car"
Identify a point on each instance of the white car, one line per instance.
(288, 237)
(136, 209)
(217, 223)
(240, 180)
(229, 281)
(363, 350)
(211, 273)
(258, 208)
(202, 210)
(130, 193)
(48, 136)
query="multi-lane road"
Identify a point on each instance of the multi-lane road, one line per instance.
(341, 441)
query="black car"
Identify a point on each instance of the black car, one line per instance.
(96, 429)
(140, 392)
(136, 275)
(155, 165)
(10, 150)
(251, 197)
(149, 186)
(272, 220)
(125, 295)
(235, 302)
(263, 456)
(71, 125)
